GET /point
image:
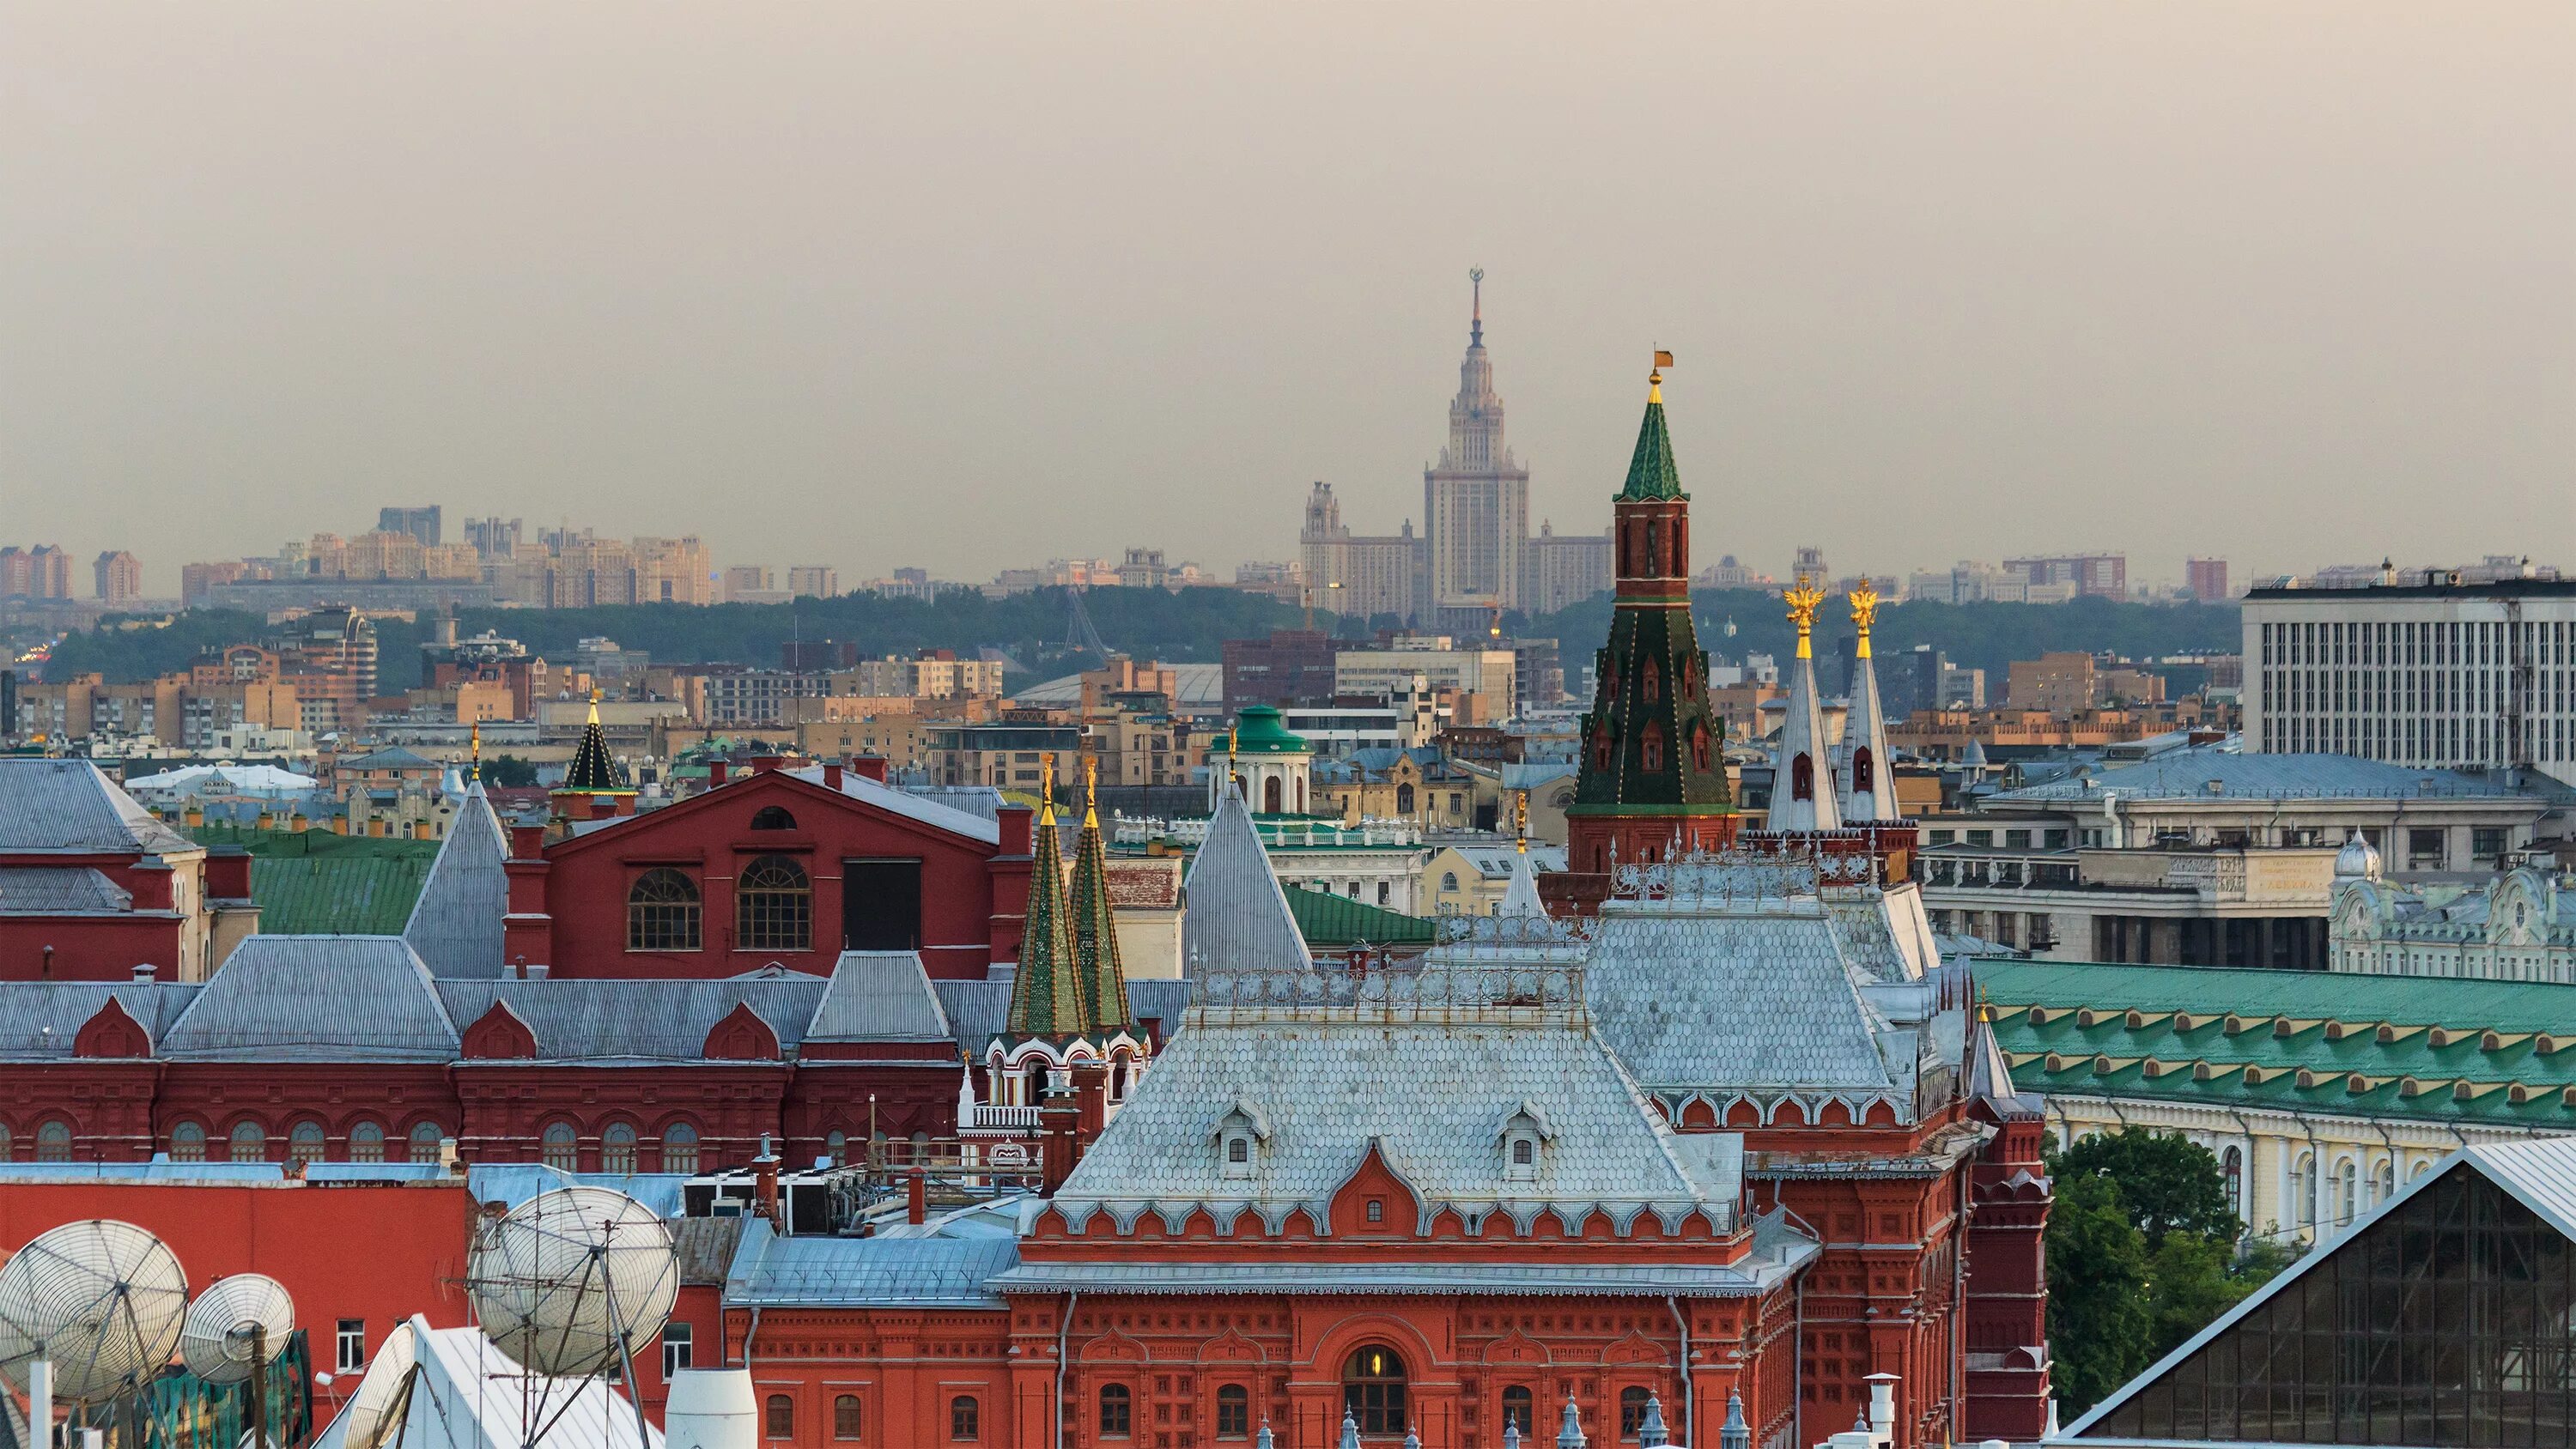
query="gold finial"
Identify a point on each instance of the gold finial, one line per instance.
(1864, 607)
(1046, 788)
(1520, 819)
(1802, 601)
(474, 771)
(1091, 791)
(1655, 378)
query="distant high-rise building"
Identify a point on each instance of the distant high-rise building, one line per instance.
(420, 523)
(120, 577)
(1352, 574)
(1475, 501)
(1810, 565)
(2208, 579)
(1566, 569)
(495, 539)
(2094, 575)
(748, 579)
(820, 581)
(42, 572)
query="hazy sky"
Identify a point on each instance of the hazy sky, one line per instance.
(977, 285)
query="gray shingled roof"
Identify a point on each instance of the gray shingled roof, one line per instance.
(879, 996)
(316, 998)
(60, 890)
(635, 1020)
(66, 807)
(456, 923)
(40, 1019)
(1731, 1000)
(1237, 917)
(978, 1010)
(1433, 1095)
(770, 1271)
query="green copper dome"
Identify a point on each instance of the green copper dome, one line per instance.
(1257, 731)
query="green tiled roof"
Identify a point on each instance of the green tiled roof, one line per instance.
(2491, 1052)
(317, 883)
(1258, 731)
(1332, 923)
(1651, 473)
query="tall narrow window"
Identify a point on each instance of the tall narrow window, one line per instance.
(663, 913)
(1863, 770)
(965, 1420)
(187, 1143)
(1117, 1411)
(1802, 778)
(617, 1148)
(679, 1148)
(560, 1147)
(774, 906)
(1233, 1412)
(1632, 1413)
(1518, 1404)
(304, 1144)
(846, 1418)
(425, 1138)
(1373, 1390)
(349, 1345)
(366, 1142)
(678, 1347)
(249, 1142)
(54, 1141)
(779, 1419)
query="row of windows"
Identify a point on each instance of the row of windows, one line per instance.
(305, 1142)
(2439, 644)
(2340, 691)
(559, 1146)
(773, 908)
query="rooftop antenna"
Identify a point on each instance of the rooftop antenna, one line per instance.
(1476, 321)
(383, 1400)
(570, 1282)
(88, 1311)
(228, 1335)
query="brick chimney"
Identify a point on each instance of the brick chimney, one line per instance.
(1016, 836)
(715, 773)
(764, 1182)
(228, 873)
(916, 1197)
(869, 766)
(832, 775)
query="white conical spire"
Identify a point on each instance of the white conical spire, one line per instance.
(1570, 1436)
(1521, 898)
(1802, 775)
(1236, 917)
(1868, 786)
(456, 924)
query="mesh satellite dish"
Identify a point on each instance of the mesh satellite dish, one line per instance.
(571, 1282)
(384, 1395)
(89, 1310)
(239, 1318)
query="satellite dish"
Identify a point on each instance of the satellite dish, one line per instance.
(383, 1396)
(571, 1282)
(225, 1325)
(99, 1301)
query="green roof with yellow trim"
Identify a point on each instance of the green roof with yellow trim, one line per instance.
(2499, 1053)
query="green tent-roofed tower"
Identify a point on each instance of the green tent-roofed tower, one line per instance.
(1654, 768)
(1095, 921)
(1047, 990)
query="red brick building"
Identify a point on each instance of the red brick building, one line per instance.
(93, 888)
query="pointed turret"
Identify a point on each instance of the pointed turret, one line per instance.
(593, 786)
(1653, 747)
(1868, 784)
(1802, 785)
(1520, 897)
(456, 924)
(1237, 917)
(1095, 924)
(1047, 990)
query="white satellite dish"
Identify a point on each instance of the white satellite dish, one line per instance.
(572, 1282)
(384, 1395)
(88, 1311)
(238, 1318)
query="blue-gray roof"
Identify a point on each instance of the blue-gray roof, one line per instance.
(60, 890)
(315, 998)
(2208, 773)
(879, 996)
(66, 807)
(456, 923)
(614, 1019)
(926, 1272)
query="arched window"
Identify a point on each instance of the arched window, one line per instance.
(1449, 880)
(1117, 1411)
(1404, 799)
(1699, 746)
(366, 1142)
(663, 913)
(1233, 1412)
(1651, 747)
(774, 906)
(679, 1148)
(1524, 1153)
(249, 1142)
(1652, 682)
(1518, 1405)
(617, 1148)
(1632, 1412)
(2231, 1168)
(304, 1143)
(1802, 778)
(965, 1420)
(2348, 1196)
(836, 1144)
(2383, 1182)
(1270, 803)
(1373, 1390)
(560, 1147)
(425, 1138)
(1654, 547)
(54, 1140)
(1863, 769)
(778, 1419)
(187, 1142)
(846, 1418)
(1602, 745)
(772, 817)
(2303, 1192)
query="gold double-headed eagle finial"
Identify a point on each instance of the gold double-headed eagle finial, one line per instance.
(1046, 788)
(1091, 790)
(1864, 607)
(1802, 599)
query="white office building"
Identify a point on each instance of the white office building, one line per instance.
(2421, 669)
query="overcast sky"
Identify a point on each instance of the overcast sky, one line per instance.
(971, 286)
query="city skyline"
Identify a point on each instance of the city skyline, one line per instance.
(1928, 272)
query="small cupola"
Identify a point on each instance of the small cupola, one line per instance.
(1524, 1138)
(1239, 1136)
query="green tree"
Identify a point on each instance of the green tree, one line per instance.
(508, 770)
(2171, 1183)
(2099, 1323)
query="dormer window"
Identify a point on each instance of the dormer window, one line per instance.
(1524, 1138)
(1239, 1135)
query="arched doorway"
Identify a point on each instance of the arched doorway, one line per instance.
(1373, 1390)
(1270, 804)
